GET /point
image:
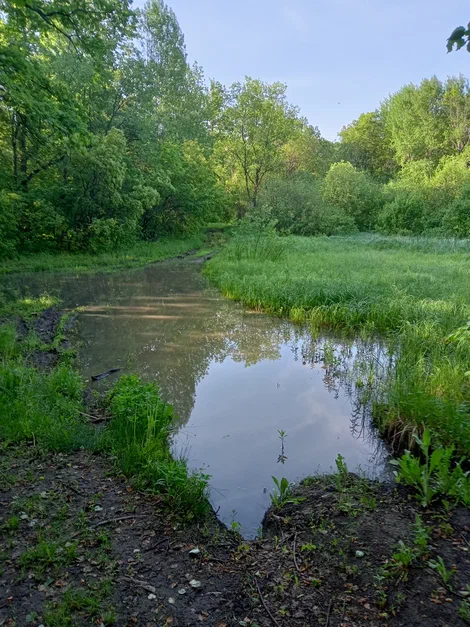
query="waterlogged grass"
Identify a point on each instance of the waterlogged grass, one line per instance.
(416, 292)
(46, 410)
(140, 254)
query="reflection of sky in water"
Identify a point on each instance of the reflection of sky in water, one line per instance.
(234, 378)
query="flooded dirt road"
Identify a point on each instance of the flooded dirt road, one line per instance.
(236, 379)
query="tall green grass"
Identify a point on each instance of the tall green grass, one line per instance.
(138, 438)
(415, 292)
(45, 409)
(140, 254)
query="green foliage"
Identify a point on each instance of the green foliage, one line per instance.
(456, 219)
(401, 561)
(354, 192)
(366, 145)
(435, 475)
(138, 438)
(8, 224)
(296, 205)
(283, 496)
(404, 215)
(439, 566)
(256, 121)
(256, 238)
(459, 38)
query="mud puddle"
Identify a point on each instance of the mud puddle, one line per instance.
(256, 396)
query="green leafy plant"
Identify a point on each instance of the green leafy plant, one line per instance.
(422, 536)
(433, 474)
(283, 494)
(439, 566)
(401, 561)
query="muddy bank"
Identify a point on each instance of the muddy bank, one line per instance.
(353, 553)
(81, 546)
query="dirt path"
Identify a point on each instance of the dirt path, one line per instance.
(80, 546)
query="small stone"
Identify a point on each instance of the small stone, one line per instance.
(24, 516)
(171, 600)
(195, 551)
(97, 508)
(136, 550)
(463, 593)
(360, 554)
(182, 591)
(151, 597)
(194, 583)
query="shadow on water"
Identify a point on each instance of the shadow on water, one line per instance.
(235, 378)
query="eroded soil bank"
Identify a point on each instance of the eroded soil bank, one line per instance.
(81, 546)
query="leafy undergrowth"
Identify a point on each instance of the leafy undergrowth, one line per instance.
(140, 254)
(42, 402)
(413, 292)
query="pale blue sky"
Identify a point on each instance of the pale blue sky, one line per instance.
(339, 58)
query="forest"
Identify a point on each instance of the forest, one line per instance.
(109, 136)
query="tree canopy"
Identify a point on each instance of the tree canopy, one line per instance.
(108, 135)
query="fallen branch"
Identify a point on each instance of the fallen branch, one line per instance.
(142, 584)
(329, 613)
(293, 552)
(264, 604)
(93, 418)
(111, 520)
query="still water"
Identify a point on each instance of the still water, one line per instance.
(235, 378)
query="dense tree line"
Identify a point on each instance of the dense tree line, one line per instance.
(108, 135)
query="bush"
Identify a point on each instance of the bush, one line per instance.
(108, 234)
(355, 193)
(9, 206)
(456, 220)
(297, 207)
(41, 226)
(404, 215)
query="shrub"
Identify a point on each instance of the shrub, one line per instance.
(41, 226)
(296, 206)
(9, 207)
(456, 220)
(354, 192)
(403, 215)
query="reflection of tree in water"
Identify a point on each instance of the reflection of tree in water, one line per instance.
(163, 323)
(356, 368)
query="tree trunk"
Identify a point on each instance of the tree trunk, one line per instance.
(23, 157)
(14, 145)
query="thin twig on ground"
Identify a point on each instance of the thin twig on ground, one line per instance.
(264, 604)
(329, 613)
(293, 552)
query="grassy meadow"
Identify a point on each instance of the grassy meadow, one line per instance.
(413, 291)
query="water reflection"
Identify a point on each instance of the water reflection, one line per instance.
(236, 379)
